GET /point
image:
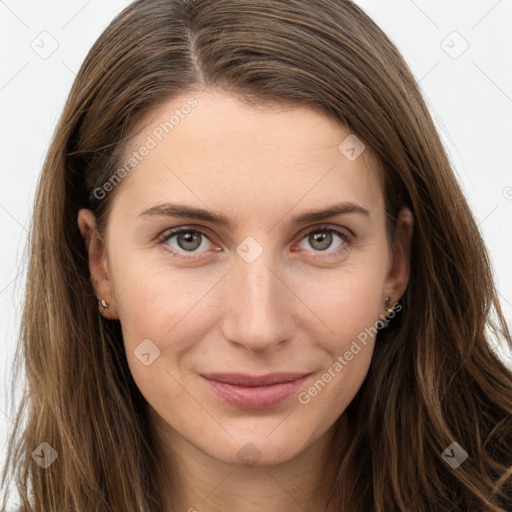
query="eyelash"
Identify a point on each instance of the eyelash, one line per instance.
(343, 234)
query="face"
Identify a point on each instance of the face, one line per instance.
(253, 286)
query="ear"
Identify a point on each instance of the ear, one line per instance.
(398, 275)
(98, 267)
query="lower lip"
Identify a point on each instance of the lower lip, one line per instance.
(255, 397)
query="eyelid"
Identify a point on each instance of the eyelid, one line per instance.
(344, 233)
(170, 232)
(347, 233)
(163, 237)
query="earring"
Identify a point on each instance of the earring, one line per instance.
(384, 320)
(104, 304)
(388, 308)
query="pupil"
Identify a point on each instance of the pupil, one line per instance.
(188, 238)
(324, 239)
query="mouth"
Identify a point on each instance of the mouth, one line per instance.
(254, 392)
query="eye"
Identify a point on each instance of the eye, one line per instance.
(322, 238)
(183, 240)
(187, 240)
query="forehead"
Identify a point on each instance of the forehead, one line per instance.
(211, 148)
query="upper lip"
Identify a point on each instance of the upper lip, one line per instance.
(240, 379)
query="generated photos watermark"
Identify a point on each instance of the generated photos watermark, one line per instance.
(304, 397)
(151, 142)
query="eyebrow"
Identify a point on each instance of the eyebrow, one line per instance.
(189, 212)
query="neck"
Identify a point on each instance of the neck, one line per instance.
(196, 481)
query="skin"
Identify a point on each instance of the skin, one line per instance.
(296, 307)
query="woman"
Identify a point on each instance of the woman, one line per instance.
(255, 283)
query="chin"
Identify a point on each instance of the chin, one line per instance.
(255, 451)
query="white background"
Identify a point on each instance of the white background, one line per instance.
(470, 98)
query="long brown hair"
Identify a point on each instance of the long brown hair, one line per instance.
(434, 379)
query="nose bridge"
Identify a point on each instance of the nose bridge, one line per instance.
(258, 314)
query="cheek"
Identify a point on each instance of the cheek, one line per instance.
(156, 328)
(172, 307)
(166, 307)
(169, 312)
(348, 305)
(345, 302)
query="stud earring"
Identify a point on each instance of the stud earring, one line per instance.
(104, 304)
(384, 320)
(389, 309)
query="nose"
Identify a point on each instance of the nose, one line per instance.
(258, 313)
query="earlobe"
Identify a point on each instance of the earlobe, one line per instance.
(398, 276)
(98, 268)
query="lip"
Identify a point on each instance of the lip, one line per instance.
(255, 392)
